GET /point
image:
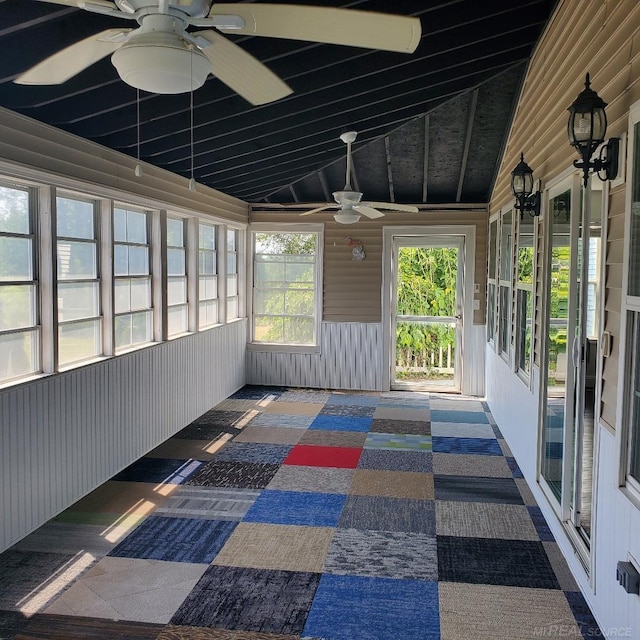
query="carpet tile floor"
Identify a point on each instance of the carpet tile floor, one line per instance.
(293, 514)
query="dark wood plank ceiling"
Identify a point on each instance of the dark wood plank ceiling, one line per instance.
(431, 125)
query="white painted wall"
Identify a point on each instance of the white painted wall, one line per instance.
(617, 521)
(64, 435)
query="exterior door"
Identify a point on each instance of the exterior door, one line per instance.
(426, 313)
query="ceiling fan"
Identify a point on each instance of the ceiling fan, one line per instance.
(349, 201)
(161, 56)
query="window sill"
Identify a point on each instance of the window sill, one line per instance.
(283, 348)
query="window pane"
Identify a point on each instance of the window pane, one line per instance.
(76, 260)
(232, 285)
(17, 306)
(132, 294)
(268, 329)
(122, 296)
(299, 330)
(231, 239)
(269, 272)
(19, 355)
(74, 218)
(16, 262)
(506, 238)
(207, 262)
(207, 237)
(175, 262)
(232, 260)
(524, 311)
(133, 329)
(79, 341)
(232, 308)
(208, 313)
(78, 300)
(138, 261)
(176, 291)
(120, 260)
(525, 250)
(176, 320)
(493, 237)
(175, 232)
(504, 319)
(14, 210)
(634, 256)
(491, 310)
(303, 273)
(269, 301)
(300, 303)
(634, 427)
(136, 227)
(120, 225)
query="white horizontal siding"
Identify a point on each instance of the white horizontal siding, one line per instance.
(350, 358)
(62, 436)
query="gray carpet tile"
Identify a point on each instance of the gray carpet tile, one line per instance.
(459, 464)
(313, 479)
(254, 452)
(461, 430)
(416, 427)
(300, 395)
(283, 420)
(560, 567)
(67, 538)
(384, 459)
(242, 475)
(208, 503)
(391, 554)
(472, 489)
(326, 438)
(347, 410)
(527, 496)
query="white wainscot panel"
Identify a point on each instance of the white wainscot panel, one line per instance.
(64, 435)
(350, 358)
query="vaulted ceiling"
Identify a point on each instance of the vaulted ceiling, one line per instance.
(431, 125)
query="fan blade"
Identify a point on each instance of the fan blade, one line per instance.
(68, 62)
(241, 72)
(318, 209)
(367, 29)
(392, 206)
(80, 3)
(368, 211)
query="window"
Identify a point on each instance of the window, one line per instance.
(208, 279)
(177, 309)
(232, 274)
(524, 293)
(285, 282)
(78, 284)
(19, 333)
(505, 274)
(491, 281)
(132, 279)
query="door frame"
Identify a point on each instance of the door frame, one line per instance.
(389, 235)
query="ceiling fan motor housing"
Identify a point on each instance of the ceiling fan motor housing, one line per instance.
(193, 8)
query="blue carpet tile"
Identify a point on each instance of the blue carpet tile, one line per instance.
(176, 540)
(479, 446)
(473, 489)
(341, 423)
(347, 558)
(159, 471)
(296, 507)
(364, 608)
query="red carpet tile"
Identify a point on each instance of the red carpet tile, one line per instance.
(311, 456)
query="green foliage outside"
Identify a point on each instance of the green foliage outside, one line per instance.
(426, 287)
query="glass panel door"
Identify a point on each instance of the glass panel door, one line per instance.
(427, 321)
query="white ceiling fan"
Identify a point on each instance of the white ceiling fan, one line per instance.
(161, 56)
(349, 201)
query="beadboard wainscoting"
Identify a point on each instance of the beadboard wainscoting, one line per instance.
(64, 435)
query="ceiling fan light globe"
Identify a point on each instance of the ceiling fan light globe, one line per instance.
(161, 68)
(347, 217)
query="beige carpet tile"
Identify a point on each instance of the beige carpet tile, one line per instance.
(392, 484)
(126, 498)
(489, 612)
(178, 632)
(396, 413)
(314, 479)
(461, 430)
(182, 449)
(270, 546)
(454, 464)
(295, 408)
(302, 395)
(325, 438)
(560, 567)
(271, 435)
(527, 496)
(484, 520)
(241, 404)
(455, 405)
(130, 589)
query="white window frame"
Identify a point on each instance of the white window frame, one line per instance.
(228, 273)
(318, 230)
(215, 275)
(184, 277)
(492, 305)
(503, 346)
(530, 288)
(628, 347)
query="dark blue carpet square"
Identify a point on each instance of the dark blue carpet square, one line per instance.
(341, 423)
(364, 608)
(480, 446)
(176, 540)
(444, 415)
(474, 489)
(296, 507)
(159, 470)
(540, 524)
(254, 452)
(515, 469)
(515, 563)
(587, 623)
(385, 460)
(256, 392)
(238, 598)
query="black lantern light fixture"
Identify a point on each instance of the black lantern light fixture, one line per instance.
(587, 128)
(522, 189)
